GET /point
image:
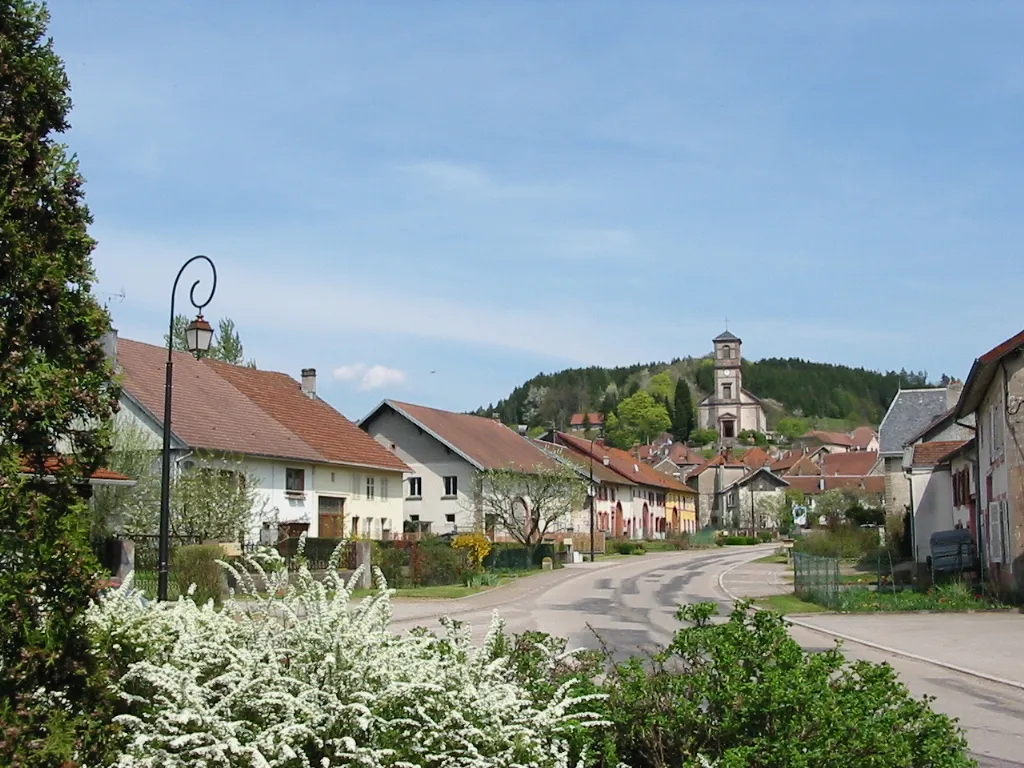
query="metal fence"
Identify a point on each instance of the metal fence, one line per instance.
(816, 578)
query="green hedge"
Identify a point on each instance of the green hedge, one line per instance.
(197, 564)
(514, 557)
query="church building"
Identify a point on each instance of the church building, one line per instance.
(730, 409)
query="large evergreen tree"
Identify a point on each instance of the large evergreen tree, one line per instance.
(682, 412)
(55, 391)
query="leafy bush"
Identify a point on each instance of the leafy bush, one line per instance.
(844, 541)
(765, 536)
(311, 679)
(630, 547)
(740, 540)
(716, 694)
(196, 564)
(859, 515)
(703, 436)
(948, 597)
(392, 562)
(477, 547)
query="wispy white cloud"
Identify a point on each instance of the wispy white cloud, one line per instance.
(474, 180)
(367, 377)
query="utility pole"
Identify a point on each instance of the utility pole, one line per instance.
(593, 496)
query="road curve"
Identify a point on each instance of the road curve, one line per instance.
(630, 605)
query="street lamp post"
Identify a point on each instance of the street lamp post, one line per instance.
(198, 337)
(593, 499)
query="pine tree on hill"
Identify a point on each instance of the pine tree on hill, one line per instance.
(682, 412)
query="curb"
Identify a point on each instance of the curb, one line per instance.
(869, 644)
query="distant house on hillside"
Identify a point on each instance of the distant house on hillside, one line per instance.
(318, 473)
(865, 439)
(730, 409)
(582, 422)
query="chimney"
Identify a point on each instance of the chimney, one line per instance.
(110, 346)
(309, 382)
(606, 461)
(953, 391)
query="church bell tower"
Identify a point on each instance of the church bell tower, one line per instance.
(728, 384)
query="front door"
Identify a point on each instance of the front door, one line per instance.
(331, 516)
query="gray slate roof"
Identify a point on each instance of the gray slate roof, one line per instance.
(726, 336)
(910, 412)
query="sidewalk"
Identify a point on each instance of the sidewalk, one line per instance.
(989, 643)
(981, 642)
(755, 580)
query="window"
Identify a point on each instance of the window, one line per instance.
(415, 487)
(996, 433)
(371, 484)
(383, 489)
(355, 526)
(613, 494)
(356, 485)
(449, 519)
(451, 486)
(294, 481)
(414, 518)
(727, 391)
(727, 352)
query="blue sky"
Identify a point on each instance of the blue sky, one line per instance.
(435, 201)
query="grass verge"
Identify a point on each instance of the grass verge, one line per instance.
(774, 558)
(786, 604)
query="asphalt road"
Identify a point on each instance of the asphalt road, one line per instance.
(630, 605)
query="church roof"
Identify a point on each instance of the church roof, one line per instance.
(726, 336)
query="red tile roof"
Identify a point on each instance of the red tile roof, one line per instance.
(681, 454)
(803, 467)
(930, 454)
(53, 464)
(806, 484)
(813, 485)
(786, 461)
(624, 463)
(596, 419)
(851, 463)
(829, 438)
(862, 437)
(602, 473)
(756, 458)
(485, 442)
(982, 373)
(242, 410)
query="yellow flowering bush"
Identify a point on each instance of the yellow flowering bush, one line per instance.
(476, 545)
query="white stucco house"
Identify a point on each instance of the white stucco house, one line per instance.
(316, 471)
(445, 451)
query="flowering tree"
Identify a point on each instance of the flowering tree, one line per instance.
(529, 505)
(214, 500)
(311, 678)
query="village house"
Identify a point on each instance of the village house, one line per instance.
(751, 500)
(316, 472)
(644, 515)
(444, 452)
(994, 395)
(609, 490)
(586, 422)
(730, 409)
(828, 442)
(910, 413)
(865, 439)
(928, 470)
(710, 479)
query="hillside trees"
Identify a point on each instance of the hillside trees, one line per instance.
(640, 418)
(56, 391)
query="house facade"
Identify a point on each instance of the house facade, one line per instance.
(910, 412)
(709, 481)
(994, 395)
(730, 409)
(751, 500)
(930, 486)
(647, 514)
(315, 471)
(445, 452)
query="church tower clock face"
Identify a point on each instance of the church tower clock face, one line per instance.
(727, 373)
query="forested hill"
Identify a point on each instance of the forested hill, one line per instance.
(801, 388)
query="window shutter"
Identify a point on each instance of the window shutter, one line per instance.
(356, 480)
(995, 532)
(384, 489)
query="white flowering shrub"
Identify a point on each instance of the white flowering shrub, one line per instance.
(299, 675)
